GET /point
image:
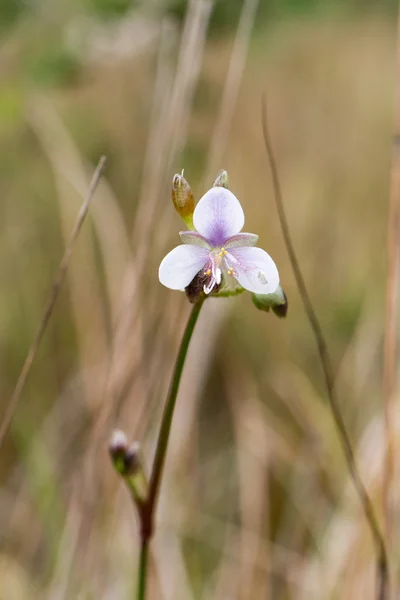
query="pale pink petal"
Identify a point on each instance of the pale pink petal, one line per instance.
(194, 238)
(241, 239)
(181, 265)
(254, 269)
(218, 216)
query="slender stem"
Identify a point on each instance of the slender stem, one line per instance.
(143, 561)
(127, 463)
(326, 363)
(148, 508)
(163, 436)
(51, 301)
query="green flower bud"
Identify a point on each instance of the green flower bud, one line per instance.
(183, 199)
(127, 461)
(118, 448)
(222, 180)
(277, 301)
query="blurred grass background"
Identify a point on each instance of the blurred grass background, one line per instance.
(256, 501)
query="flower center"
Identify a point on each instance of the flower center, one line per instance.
(220, 255)
(218, 264)
(216, 255)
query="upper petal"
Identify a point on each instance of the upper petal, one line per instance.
(255, 269)
(181, 265)
(194, 238)
(241, 239)
(218, 216)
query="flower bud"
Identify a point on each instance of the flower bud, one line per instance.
(118, 447)
(277, 301)
(222, 180)
(127, 461)
(183, 199)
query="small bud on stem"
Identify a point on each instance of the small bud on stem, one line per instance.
(183, 199)
(128, 463)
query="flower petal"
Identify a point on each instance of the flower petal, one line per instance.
(193, 238)
(181, 265)
(255, 269)
(218, 216)
(241, 239)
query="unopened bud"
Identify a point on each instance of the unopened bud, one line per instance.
(127, 460)
(118, 447)
(221, 180)
(183, 199)
(277, 301)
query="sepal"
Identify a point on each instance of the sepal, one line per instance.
(277, 302)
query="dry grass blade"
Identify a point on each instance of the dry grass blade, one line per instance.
(326, 363)
(232, 84)
(54, 293)
(393, 247)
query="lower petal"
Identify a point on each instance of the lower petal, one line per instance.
(254, 269)
(181, 265)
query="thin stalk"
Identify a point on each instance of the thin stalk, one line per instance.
(326, 363)
(128, 464)
(163, 436)
(51, 301)
(143, 561)
(147, 508)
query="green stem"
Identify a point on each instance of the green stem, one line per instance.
(127, 463)
(163, 436)
(147, 506)
(144, 553)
